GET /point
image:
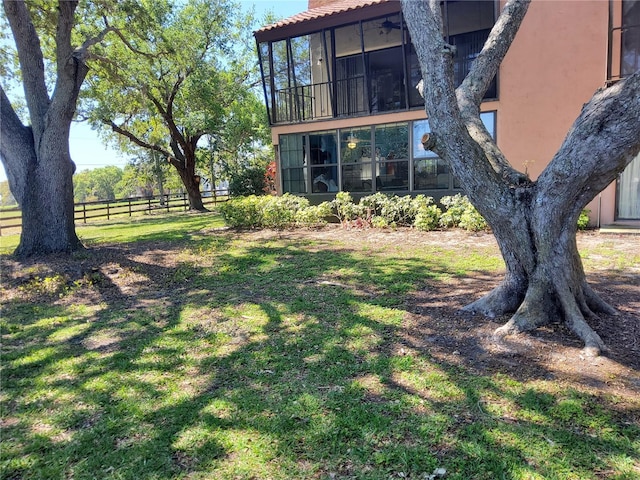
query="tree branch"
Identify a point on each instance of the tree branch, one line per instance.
(141, 143)
(473, 88)
(453, 141)
(486, 65)
(31, 63)
(83, 50)
(603, 140)
(15, 140)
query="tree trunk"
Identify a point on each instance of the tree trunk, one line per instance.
(191, 183)
(48, 224)
(36, 158)
(185, 164)
(534, 222)
(544, 282)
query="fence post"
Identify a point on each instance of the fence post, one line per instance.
(149, 207)
(84, 212)
(129, 203)
(184, 201)
(167, 202)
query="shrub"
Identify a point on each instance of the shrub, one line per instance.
(273, 212)
(344, 207)
(461, 213)
(280, 212)
(428, 215)
(454, 208)
(583, 219)
(243, 212)
(246, 181)
(471, 220)
(400, 211)
(314, 215)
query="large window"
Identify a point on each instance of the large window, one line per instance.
(392, 156)
(366, 160)
(292, 162)
(355, 148)
(431, 172)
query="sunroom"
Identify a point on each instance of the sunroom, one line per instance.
(334, 77)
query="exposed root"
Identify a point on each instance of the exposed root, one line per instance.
(574, 319)
(595, 302)
(505, 298)
(539, 309)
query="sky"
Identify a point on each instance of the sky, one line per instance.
(88, 151)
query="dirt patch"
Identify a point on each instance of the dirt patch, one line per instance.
(433, 324)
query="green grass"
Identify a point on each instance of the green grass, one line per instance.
(166, 227)
(273, 358)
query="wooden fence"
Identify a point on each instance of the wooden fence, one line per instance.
(11, 218)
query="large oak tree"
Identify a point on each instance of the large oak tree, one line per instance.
(175, 75)
(534, 222)
(36, 156)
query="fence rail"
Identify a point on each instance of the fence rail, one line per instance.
(11, 218)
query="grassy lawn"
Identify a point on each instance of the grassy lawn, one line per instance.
(190, 352)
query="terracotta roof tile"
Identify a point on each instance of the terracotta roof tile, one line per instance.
(335, 8)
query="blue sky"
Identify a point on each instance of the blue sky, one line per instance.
(88, 152)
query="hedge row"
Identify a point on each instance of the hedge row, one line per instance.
(378, 211)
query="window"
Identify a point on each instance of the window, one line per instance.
(392, 156)
(323, 154)
(355, 155)
(430, 172)
(293, 163)
(630, 37)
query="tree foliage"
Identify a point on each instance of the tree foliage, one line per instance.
(178, 73)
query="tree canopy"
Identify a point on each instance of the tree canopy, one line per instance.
(173, 74)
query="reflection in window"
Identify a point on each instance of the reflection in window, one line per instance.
(431, 172)
(630, 37)
(392, 156)
(355, 150)
(292, 163)
(323, 155)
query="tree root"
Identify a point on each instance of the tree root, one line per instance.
(538, 309)
(505, 298)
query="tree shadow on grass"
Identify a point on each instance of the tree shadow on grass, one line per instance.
(275, 359)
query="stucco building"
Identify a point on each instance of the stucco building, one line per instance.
(340, 87)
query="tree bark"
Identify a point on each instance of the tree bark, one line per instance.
(185, 164)
(37, 157)
(535, 223)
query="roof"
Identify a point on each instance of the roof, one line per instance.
(315, 15)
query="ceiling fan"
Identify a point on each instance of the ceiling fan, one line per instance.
(388, 25)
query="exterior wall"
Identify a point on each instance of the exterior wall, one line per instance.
(556, 63)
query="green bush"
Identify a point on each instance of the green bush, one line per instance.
(345, 209)
(243, 212)
(314, 215)
(461, 213)
(246, 181)
(273, 212)
(472, 221)
(428, 214)
(454, 208)
(583, 219)
(280, 212)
